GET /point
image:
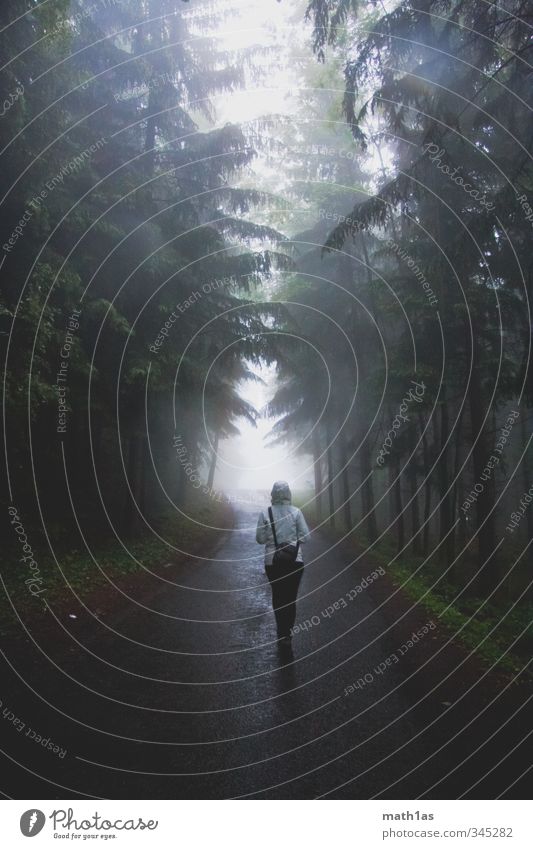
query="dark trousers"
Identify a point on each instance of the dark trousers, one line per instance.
(284, 586)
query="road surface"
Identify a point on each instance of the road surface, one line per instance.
(183, 693)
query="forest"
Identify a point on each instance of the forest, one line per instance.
(364, 236)
(121, 197)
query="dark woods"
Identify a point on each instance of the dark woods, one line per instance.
(126, 272)
(427, 271)
(132, 302)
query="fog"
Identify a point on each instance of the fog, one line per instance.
(251, 461)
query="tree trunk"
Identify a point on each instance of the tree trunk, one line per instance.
(398, 506)
(317, 467)
(462, 533)
(331, 475)
(446, 539)
(427, 486)
(214, 459)
(152, 46)
(457, 461)
(526, 477)
(457, 485)
(412, 476)
(367, 492)
(345, 477)
(131, 503)
(395, 492)
(485, 502)
(142, 477)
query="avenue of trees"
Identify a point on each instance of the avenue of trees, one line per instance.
(118, 197)
(136, 246)
(420, 252)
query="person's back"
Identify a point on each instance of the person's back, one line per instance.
(290, 528)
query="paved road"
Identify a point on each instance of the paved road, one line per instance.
(187, 697)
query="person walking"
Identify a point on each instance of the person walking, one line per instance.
(282, 529)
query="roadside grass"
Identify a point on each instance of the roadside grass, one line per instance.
(488, 627)
(111, 559)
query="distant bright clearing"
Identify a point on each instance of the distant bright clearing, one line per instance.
(246, 463)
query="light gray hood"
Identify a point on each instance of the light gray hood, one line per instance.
(281, 493)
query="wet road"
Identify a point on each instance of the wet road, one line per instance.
(185, 695)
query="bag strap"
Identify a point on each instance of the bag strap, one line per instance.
(273, 526)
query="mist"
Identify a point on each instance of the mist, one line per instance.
(249, 241)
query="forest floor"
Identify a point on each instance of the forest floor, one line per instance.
(171, 685)
(113, 559)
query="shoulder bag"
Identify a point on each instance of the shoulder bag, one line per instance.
(285, 553)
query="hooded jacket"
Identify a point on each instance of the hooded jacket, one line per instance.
(289, 521)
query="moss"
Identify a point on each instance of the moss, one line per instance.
(115, 560)
(488, 628)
